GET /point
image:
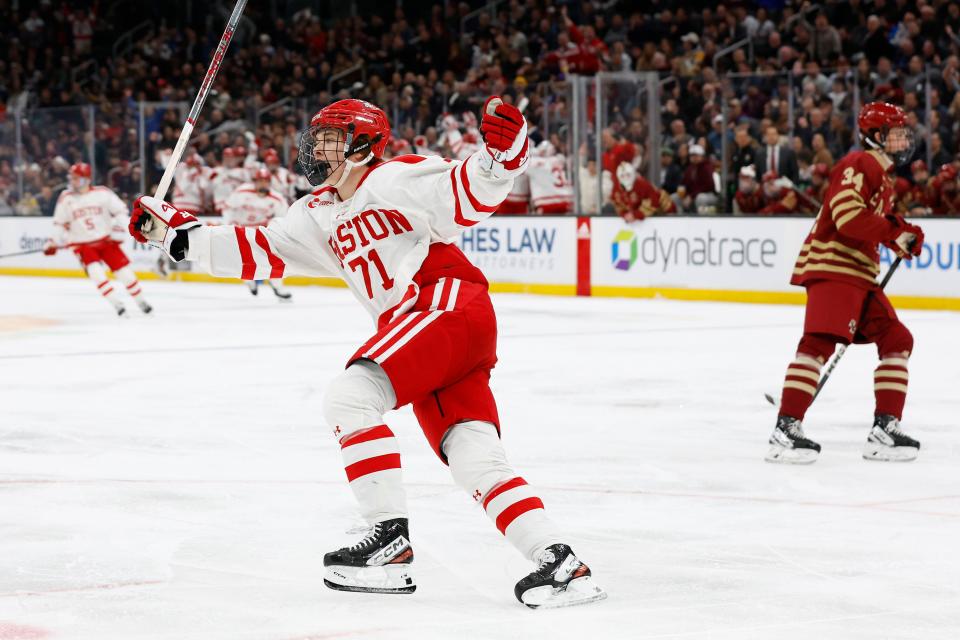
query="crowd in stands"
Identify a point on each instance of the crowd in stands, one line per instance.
(778, 110)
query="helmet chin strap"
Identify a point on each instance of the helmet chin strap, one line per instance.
(348, 166)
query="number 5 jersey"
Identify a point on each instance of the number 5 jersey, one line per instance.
(389, 240)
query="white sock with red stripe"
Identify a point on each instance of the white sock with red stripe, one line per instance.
(479, 465)
(129, 279)
(97, 273)
(354, 404)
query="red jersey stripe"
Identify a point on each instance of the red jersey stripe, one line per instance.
(372, 465)
(506, 486)
(514, 511)
(458, 212)
(276, 264)
(249, 265)
(476, 204)
(366, 435)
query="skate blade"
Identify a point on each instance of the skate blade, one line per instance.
(883, 453)
(784, 455)
(578, 591)
(390, 578)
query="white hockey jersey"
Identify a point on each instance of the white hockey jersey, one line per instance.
(246, 207)
(191, 187)
(225, 181)
(550, 189)
(282, 181)
(403, 211)
(81, 218)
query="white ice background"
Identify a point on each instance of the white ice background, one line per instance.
(171, 477)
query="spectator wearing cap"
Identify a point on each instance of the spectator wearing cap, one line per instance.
(748, 197)
(778, 157)
(698, 176)
(691, 59)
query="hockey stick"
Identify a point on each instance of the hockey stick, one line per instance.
(843, 347)
(23, 253)
(200, 99)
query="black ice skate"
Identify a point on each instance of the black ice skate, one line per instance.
(144, 307)
(279, 291)
(121, 311)
(254, 286)
(560, 580)
(888, 443)
(789, 445)
(380, 563)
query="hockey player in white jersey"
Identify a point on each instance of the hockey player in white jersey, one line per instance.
(90, 220)
(255, 204)
(227, 178)
(281, 179)
(388, 229)
(191, 184)
(550, 189)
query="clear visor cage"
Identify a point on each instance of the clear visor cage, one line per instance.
(321, 154)
(899, 143)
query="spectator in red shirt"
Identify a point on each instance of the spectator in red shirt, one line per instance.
(698, 176)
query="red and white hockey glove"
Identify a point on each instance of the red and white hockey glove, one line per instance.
(162, 225)
(904, 239)
(49, 248)
(504, 132)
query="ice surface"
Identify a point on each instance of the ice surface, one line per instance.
(171, 477)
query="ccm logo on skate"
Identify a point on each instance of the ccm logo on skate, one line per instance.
(389, 552)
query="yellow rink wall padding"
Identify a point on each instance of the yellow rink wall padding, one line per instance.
(711, 295)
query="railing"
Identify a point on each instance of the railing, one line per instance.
(125, 43)
(739, 44)
(347, 72)
(490, 7)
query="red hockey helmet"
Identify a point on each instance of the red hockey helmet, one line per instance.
(948, 172)
(271, 155)
(262, 173)
(81, 170)
(239, 151)
(364, 125)
(918, 165)
(875, 122)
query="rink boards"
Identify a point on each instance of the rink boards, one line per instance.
(730, 259)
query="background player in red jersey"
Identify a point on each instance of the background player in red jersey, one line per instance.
(635, 198)
(838, 265)
(90, 220)
(749, 197)
(780, 196)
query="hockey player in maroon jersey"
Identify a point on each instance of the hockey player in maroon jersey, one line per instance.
(635, 198)
(748, 198)
(779, 196)
(838, 265)
(944, 194)
(388, 229)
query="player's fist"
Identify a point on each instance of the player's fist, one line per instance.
(49, 248)
(905, 239)
(162, 225)
(504, 131)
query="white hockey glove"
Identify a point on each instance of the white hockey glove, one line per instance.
(162, 225)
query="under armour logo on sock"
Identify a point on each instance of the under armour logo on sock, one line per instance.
(336, 430)
(477, 495)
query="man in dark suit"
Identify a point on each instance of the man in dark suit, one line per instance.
(777, 156)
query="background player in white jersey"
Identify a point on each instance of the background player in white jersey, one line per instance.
(255, 204)
(550, 188)
(90, 220)
(281, 180)
(388, 229)
(228, 177)
(192, 184)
